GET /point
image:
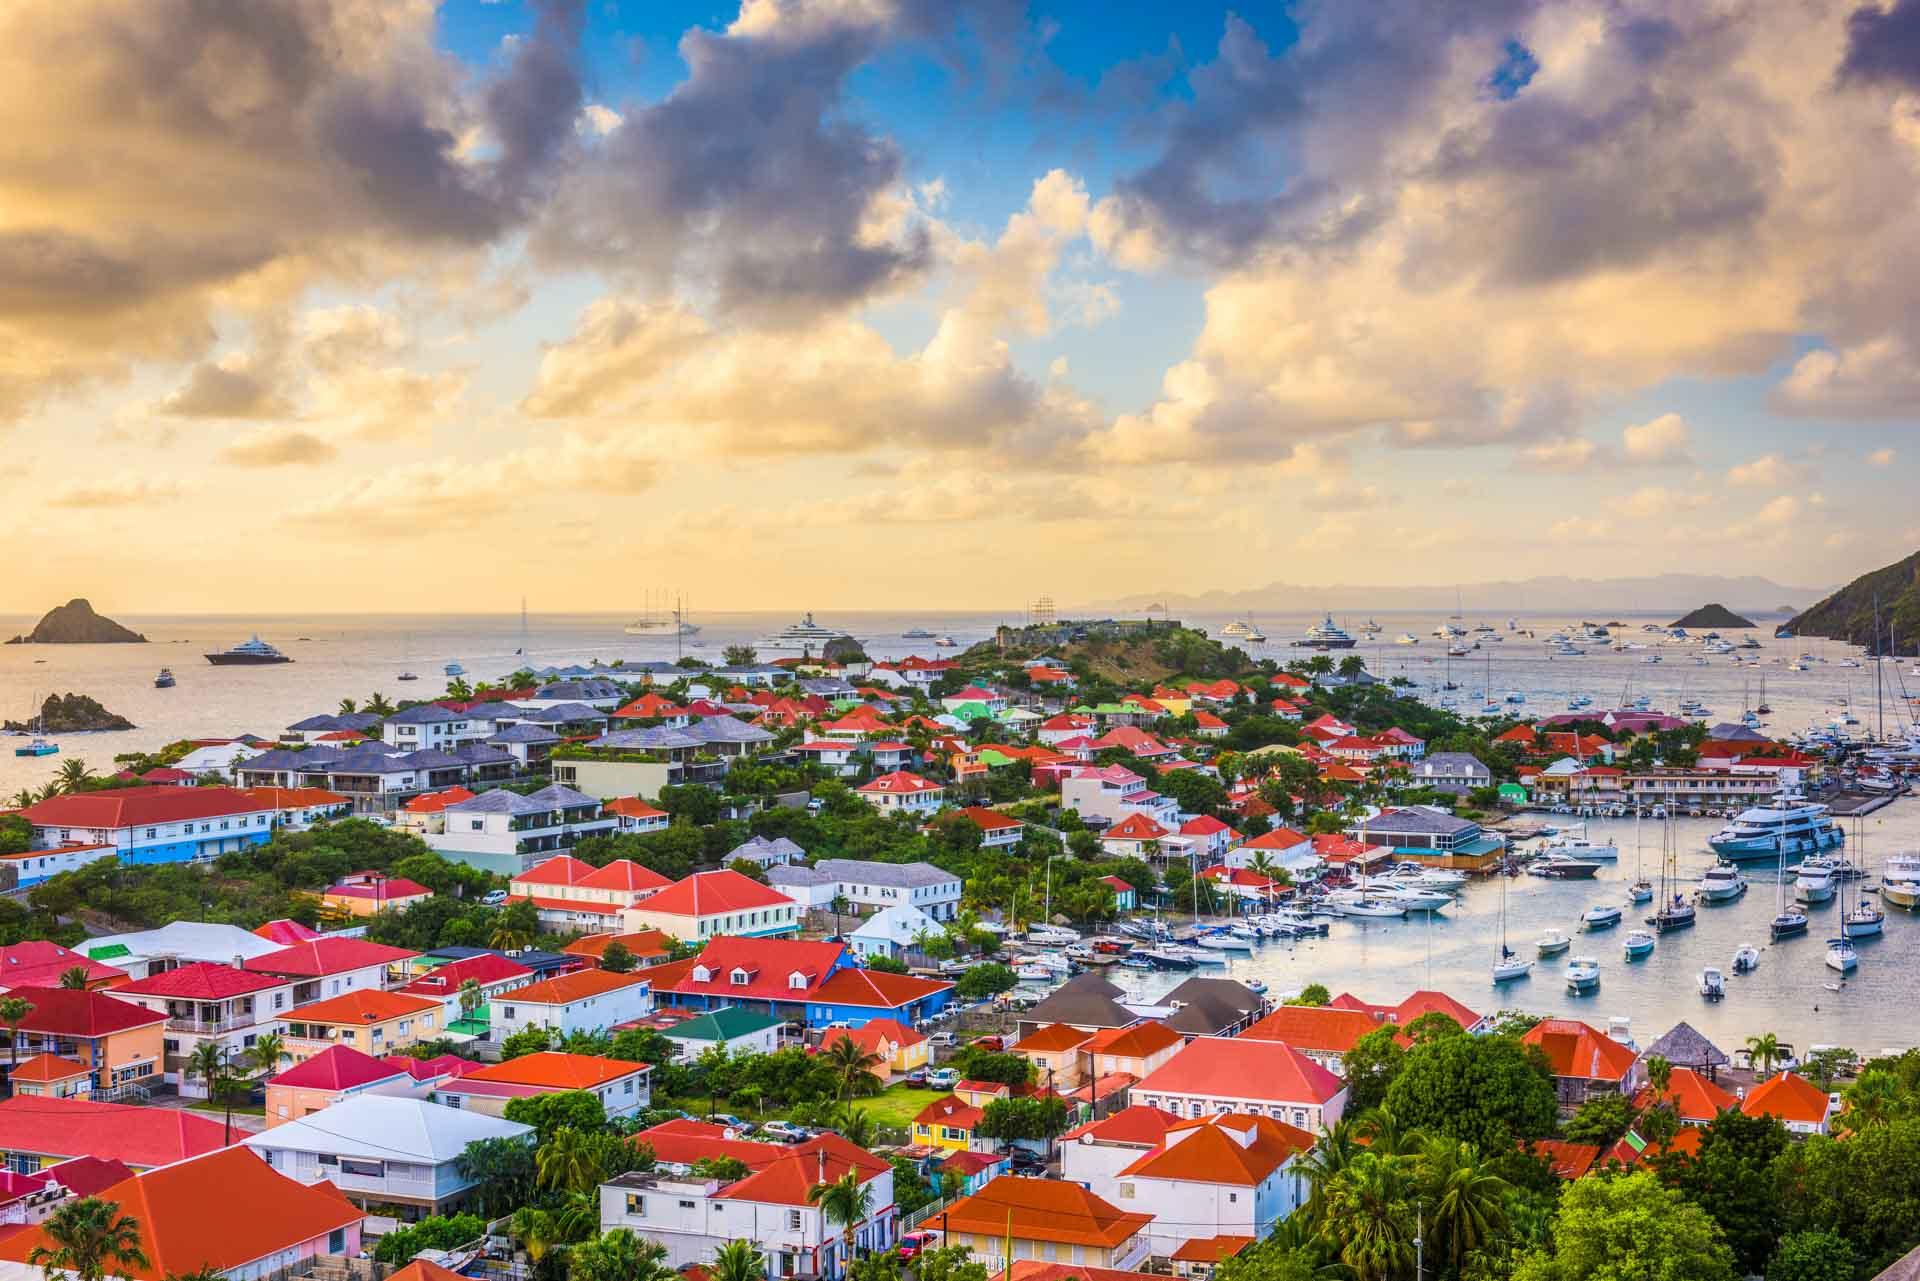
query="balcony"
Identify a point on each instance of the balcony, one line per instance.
(208, 1027)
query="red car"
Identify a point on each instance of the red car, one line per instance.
(990, 1043)
(914, 1242)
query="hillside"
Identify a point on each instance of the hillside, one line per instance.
(1847, 615)
(1128, 653)
(70, 714)
(75, 623)
(1715, 616)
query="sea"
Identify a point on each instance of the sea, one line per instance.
(339, 656)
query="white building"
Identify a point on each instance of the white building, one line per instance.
(430, 725)
(584, 1001)
(902, 793)
(177, 943)
(892, 930)
(1224, 1175)
(1112, 792)
(205, 1001)
(1232, 1074)
(1094, 1154)
(933, 890)
(809, 887)
(505, 832)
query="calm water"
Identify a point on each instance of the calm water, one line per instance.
(344, 656)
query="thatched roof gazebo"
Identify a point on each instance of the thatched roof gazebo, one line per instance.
(1685, 1047)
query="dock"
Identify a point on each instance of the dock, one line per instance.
(1854, 804)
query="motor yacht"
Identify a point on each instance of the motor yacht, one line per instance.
(1713, 984)
(1418, 876)
(1552, 943)
(1242, 629)
(1355, 903)
(1640, 892)
(1601, 916)
(803, 637)
(252, 652)
(1785, 825)
(1637, 944)
(1583, 974)
(1580, 847)
(1225, 943)
(1842, 956)
(165, 679)
(38, 747)
(1413, 898)
(1559, 867)
(1052, 935)
(1326, 634)
(1813, 885)
(1722, 883)
(1746, 959)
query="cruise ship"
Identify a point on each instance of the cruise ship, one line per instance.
(1784, 825)
(1243, 629)
(803, 637)
(1325, 635)
(251, 652)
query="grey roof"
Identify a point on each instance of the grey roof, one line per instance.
(371, 758)
(760, 847)
(523, 733)
(433, 758)
(1415, 819)
(751, 669)
(425, 714)
(560, 714)
(798, 876)
(827, 686)
(1088, 1001)
(1209, 1006)
(314, 758)
(482, 754)
(1454, 764)
(655, 738)
(579, 690)
(356, 721)
(896, 875)
(727, 729)
(1685, 1047)
(1728, 732)
(544, 801)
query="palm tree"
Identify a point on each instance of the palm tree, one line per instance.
(839, 905)
(73, 775)
(1263, 865)
(74, 978)
(90, 1239)
(618, 1255)
(49, 790)
(347, 707)
(506, 937)
(13, 1012)
(1367, 1220)
(1333, 1154)
(1764, 1051)
(1467, 1203)
(205, 1272)
(23, 798)
(377, 705)
(737, 1261)
(851, 1063)
(267, 1052)
(1875, 1099)
(568, 1160)
(856, 1126)
(535, 1230)
(1659, 1075)
(578, 1216)
(1386, 1134)
(846, 1202)
(472, 997)
(209, 1062)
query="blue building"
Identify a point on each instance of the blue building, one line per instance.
(153, 824)
(818, 984)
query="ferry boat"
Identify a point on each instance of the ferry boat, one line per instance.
(38, 747)
(164, 680)
(1325, 635)
(1785, 825)
(803, 637)
(916, 633)
(252, 652)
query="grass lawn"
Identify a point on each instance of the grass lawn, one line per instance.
(898, 1105)
(220, 1109)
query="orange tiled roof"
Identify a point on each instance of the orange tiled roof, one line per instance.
(1226, 1148)
(1693, 1096)
(46, 1068)
(1142, 1039)
(1042, 1210)
(1139, 1126)
(1050, 1039)
(1790, 1097)
(577, 986)
(361, 1008)
(554, 1070)
(949, 1110)
(1211, 1249)
(1575, 1050)
(1305, 1027)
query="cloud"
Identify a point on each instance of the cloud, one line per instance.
(1580, 529)
(1879, 378)
(1666, 439)
(1569, 454)
(1651, 501)
(1883, 44)
(235, 386)
(124, 489)
(277, 447)
(1768, 471)
(1881, 457)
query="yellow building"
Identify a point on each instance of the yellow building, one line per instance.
(948, 1123)
(898, 1048)
(371, 1022)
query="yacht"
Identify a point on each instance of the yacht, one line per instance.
(1713, 984)
(1562, 868)
(1676, 915)
(1640, 892)
(1511, 966)
(1243, 629)
(1552, 943)
(1813, 885)
(1371, 628)
(1226, 943)
(916, 633)
(1722, 883)
(1421, 877)
(1515, 696)
(945, 642)
(1785, 825)
(1862, 922)
(1841, 955)
(670, 625)
(252, 652)
(1353, 903)
(1412, 897)
(1746, 959)
(164, 680)
(803, 637)
(38, 747)
(1052, 935)
(1787, 922)
(1637, 944)
(1579, 847)
(407, 676)
(1583, 974)
(1900, 881)
(1325, 634)
(1601, 916)
(1406, 638)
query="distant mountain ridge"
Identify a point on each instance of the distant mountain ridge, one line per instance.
(1848, 614)
(1659, 593)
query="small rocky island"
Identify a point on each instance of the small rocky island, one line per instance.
(1713, 616)
(70, 714)
(75, 623)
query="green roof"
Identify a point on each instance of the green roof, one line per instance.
(971, 712)
(991, 758)
(722, 1025)
(108, 952)
(1117, 709)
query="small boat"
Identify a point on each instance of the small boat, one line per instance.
(1254, 986)
(164, 680)
(1601, 916)
(1722, 883)
(1583, 974)
(454, 669)
(1677, 915)
(1713, 984)
(1166, 958)
(1243, 629)
(1032, 973)
(1746, 959)
(1511, 966)
(407, 676)
(38, 747)
(1813, 885)
(1226, 943)
(1552, 943)
(1901, 894)
(1640, 892)
(945, 642)
(1637, 944)
(1406, 638)
(1136, 963)
(1369, 906)
(1862, 922)
(1841, 955)
(1788, 923)
(1559, 867)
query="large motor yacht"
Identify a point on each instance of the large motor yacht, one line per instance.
(1326, 634)
(1785, 825)
(803, 637)
(253, 652)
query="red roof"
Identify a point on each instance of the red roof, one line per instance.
(1692, 1095)
(767, 964)
(874, 1035)
(899, 782)
(876, 989)
(385, 889)
(362, 1008)
(47, 1068)
(1136, 1126)
(553, 1070)
(1233, 1068)
(577, 986)
(87, 1175)
(562, 869)
(60, 1012)
(285, 932)
(1569, 1160)
(990, 820)
(484, 969)
(120, 807)
(682, 1142)
(328, 954)
(949, 1110)
(221, 1212)
(1141, 1040)
(794, 1172)
(1326, 1031)
(338, 1067)
(1575, 1050)
(713, 893)
(140, 1136)
(1134, 827)
(202, 981)
(642, 943)
(434, 802)
(1119, 886)
(579, 907)
(1228, 1147)
(631, 807)
(38, 963)
(625, 876)
(1203, 825)
(1790, 1097)
(1042, 1210)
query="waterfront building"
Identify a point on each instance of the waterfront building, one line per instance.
(152, 824)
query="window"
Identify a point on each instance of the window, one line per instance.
(1233, 1198)
(629, 1089)
(686, 1205)
(152, 832)
(506, 1012)
(793, 1220)
(365, 1169)
(337, 1241)
(636, 1206)
(1126, 1191)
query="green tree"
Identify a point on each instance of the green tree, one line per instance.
(739, 656)
(1731, 1178)
(528, 1040)
(578, 1110)
(1659, 1074)
(1465, 1201)
(1368, 1219)
(267, 1052)
(976, 983)
(853, 1065)
(568, 1161)
(515, 927)
(1812, 1256)
(1313, 994)
(949, 1263)
(209, 1062)
(90, 1239)
(617, 958)
(73, 775)
(14, 1010)
(1876, 1098)
(1864, 1187)
(1764, 1051)
(619, 1255)
(1628, 1229)
(501, 1171)
(1490, 1091)
(845, 1202)
(738, 1260)
(1601, 1120)
(74, 978)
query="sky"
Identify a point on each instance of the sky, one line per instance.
(781, 304)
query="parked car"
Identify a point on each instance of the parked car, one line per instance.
(914, 1242)
(786, 1131)
(494, 898)
(917, 1078)
(1029, 1163)
(943, 1078)
(731, 1121)
(944, 1038)
(990, 1043)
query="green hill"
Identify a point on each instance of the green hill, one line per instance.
(1715, 616)
(1124, 652)
(1847, 615)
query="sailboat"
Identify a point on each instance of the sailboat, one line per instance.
(1862, 920)
(1762, 707)
(1787, 921)
(1674, 912)
(1641, 891)
(1507, 965)
(408, 674)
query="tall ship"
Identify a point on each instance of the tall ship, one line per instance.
(1326, 634)
(803, 637)
(671, 624)
(252, 652)
(1784, 825)
(1242, 629)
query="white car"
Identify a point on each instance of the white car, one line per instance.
(786, 1131)
(493, 898)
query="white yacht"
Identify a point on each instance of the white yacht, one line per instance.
(1326, 634)
(1787, 824)
(803, 637)
(669, 625)
(1412, 897)
(1353, 903)
(1638, 943)
(1713, 984)
(1813, 885)
(1243, 629)
(1601, 916)
(1422, 877)
(1583, 974)
(1722, 883)
(1841, 955)
(1579, 847)
(1552, 943)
